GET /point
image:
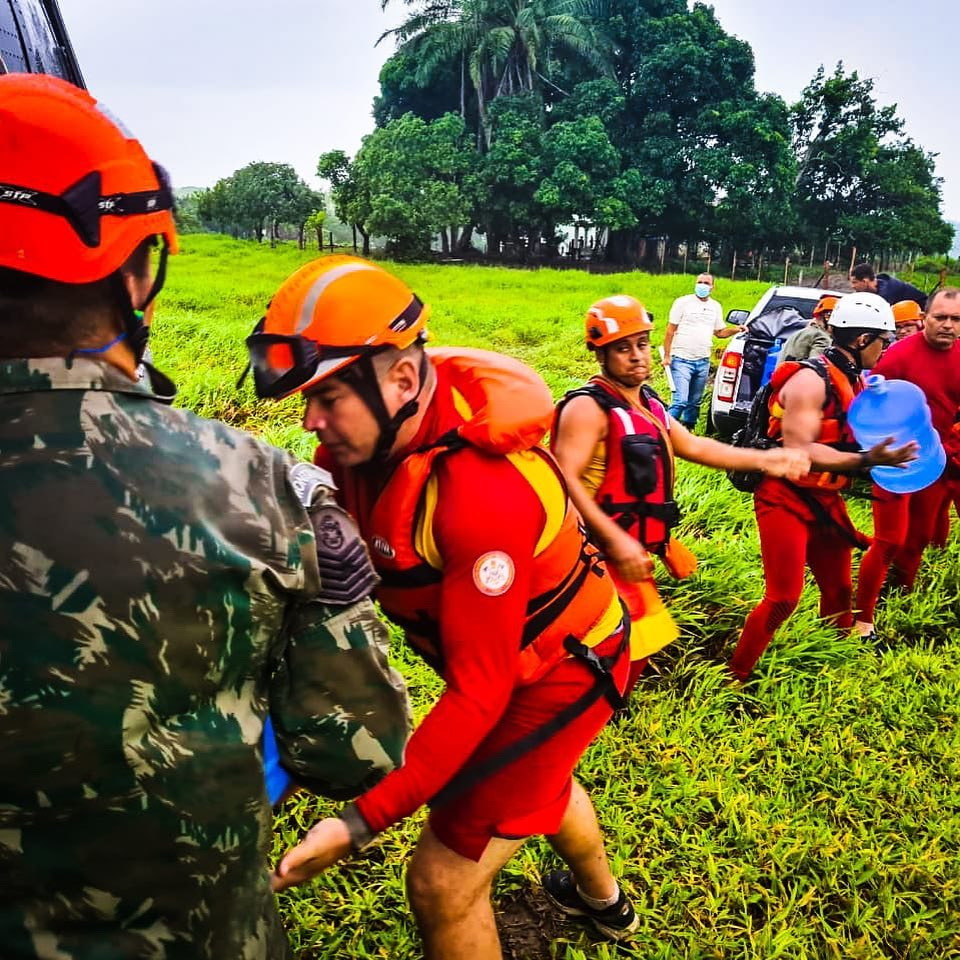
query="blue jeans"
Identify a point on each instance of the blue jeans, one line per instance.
(689, 382)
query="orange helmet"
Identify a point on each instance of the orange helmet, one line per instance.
(77, 193)
(907, 311)
(825, 304)
(614, 318)
(327, 315)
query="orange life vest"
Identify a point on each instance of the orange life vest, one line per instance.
(505, 409)
(834, 431)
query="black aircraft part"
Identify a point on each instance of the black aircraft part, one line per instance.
(33, 39)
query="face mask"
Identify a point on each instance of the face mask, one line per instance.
(702, 290)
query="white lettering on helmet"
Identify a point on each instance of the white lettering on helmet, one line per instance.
(12, 195)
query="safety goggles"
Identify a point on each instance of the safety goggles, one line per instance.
(83, 206)
(285, 363)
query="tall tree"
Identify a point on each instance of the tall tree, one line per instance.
(502, 47)
(350, 194)
(410, 181)
(858, 176)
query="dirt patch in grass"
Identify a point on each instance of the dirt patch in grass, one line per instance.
(528, 925)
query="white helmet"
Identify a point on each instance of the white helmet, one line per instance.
(863, 311)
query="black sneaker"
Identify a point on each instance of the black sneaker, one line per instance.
(618, 922)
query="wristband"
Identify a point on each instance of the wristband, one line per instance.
(361, 836)
(864, 463)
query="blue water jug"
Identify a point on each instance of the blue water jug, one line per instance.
(278, 780)
(773, 355)
(898, 409)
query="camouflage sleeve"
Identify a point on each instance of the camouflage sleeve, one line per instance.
(341, 713)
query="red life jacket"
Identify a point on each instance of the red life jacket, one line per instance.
(505, 409)
(637, 487)
(834, 431)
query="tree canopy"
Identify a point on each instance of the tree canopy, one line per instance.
(638, 117)
(257, 199)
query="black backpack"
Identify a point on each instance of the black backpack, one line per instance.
(753, 433)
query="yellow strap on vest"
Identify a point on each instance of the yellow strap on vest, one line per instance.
(423, 541)
(607, 625)
(460, 404)
(546, 485)
(543, 481)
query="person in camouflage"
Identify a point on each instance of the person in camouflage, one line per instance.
(166, 580)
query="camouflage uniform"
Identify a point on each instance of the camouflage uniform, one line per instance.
(160, 573)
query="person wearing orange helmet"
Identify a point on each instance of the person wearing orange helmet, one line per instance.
(160, 571)
(485, 567)
(616, 442)
(908, 317)
(813, 339)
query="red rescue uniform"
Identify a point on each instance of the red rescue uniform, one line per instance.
(802, 524)
(937, 374)
(488, 539)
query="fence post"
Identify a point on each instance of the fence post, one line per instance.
(733, 268)
(853, 259)
(786, 271)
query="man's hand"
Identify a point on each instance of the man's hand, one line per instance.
(325, 844)
(788, 462)
(883, 455)
(632, 561)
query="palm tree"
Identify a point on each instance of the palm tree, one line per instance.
(504, 47)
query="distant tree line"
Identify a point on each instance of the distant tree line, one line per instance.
(639, 118)
(257, 201)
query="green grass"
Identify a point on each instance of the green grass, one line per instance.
(816, 816)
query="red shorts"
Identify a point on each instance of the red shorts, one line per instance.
(530, 795)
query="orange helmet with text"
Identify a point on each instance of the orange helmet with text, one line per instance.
(78, 194)
(327, 315)
(907, 311)
(614, 318)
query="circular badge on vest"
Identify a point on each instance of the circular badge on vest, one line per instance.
(493, 573)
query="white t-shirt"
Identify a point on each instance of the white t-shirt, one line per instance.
(697, 321)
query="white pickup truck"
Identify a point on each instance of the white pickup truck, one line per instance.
(741, 366)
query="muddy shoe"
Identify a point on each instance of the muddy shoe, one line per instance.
(618, 922)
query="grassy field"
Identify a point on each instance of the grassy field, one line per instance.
(817, 816)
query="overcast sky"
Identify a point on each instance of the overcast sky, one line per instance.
(210, 85)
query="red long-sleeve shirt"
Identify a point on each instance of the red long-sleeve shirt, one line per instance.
(484, 505)
(937, 374)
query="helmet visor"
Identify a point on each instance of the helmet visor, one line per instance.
(283, 364)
